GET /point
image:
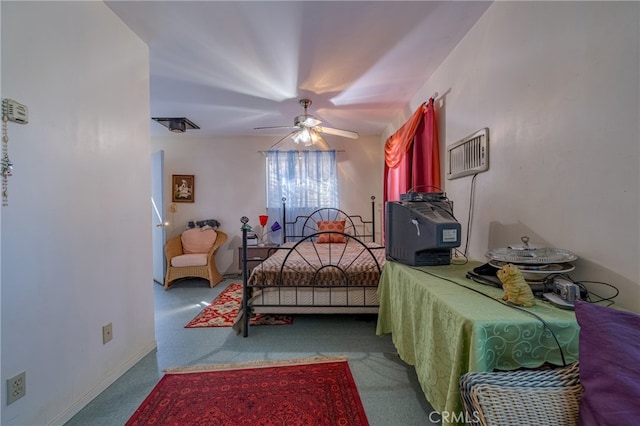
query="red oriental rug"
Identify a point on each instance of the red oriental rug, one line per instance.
(223, 311)
(313, 391)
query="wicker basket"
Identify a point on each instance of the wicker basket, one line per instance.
(523, 397)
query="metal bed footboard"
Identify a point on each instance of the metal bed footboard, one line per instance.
(342, 265)
(349, 280)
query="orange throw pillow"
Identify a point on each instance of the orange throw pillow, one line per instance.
(334, 226)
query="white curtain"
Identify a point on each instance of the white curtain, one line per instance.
(308, 180)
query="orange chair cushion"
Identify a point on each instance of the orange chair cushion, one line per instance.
(198, 240)
(193, 259)
(335, 226)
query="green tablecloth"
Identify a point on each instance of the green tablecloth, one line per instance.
(446, 330)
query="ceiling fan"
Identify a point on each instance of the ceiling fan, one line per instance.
(306, 129)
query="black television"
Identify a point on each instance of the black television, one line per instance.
(420, 230)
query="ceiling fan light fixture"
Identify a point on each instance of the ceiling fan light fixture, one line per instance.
(308, 130)
(316, 139)
(303, 136)
(306, 121)
(308, 137)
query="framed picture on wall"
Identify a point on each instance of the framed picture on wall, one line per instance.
(182, 188)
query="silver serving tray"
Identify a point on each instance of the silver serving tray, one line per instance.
(536, 256)
(536, 273)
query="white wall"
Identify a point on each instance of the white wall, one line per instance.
(230, 175)
(557, 84)
(76, 235)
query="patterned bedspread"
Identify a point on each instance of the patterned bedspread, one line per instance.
(313, 264)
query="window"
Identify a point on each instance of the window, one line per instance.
(308, 180)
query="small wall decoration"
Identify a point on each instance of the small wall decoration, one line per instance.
(183, 188)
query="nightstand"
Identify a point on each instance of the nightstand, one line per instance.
(255, 255)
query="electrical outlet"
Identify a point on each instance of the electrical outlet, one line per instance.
(16, 387)
(107, 333)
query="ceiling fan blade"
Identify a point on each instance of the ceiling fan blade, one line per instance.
(338, 132)
(275, 127)
(283, 138)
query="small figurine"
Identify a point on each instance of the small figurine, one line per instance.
(516, 289)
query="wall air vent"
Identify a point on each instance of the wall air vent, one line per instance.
(176, 124)
(469, 155)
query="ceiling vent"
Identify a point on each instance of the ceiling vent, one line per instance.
(176, 124)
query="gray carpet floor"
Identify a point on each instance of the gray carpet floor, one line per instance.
(388, 387)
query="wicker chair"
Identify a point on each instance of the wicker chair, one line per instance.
(209, 271)
(523, 397)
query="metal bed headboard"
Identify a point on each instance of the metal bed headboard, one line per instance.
(358, 227)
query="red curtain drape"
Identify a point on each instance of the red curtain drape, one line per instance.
(425, 176)
(398, 158)
(412, 155)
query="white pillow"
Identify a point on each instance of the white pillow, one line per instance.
(193, 259)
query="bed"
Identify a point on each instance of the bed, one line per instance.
(329, 263)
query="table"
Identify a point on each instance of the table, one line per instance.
(255, 255)
(446, 325)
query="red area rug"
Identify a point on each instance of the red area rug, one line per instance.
(223, 310)
(316, 391)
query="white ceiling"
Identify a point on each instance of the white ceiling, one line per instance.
(230, 66)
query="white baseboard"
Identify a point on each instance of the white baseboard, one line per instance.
(78, 405)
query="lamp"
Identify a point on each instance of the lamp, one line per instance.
(308, 136)
(264, 219)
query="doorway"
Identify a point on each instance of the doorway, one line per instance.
(158, 216)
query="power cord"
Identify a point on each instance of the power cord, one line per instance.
(464, 255)
(601, 299)
(511, 305)
(469, 221)
(585, 294)
(470, 216)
